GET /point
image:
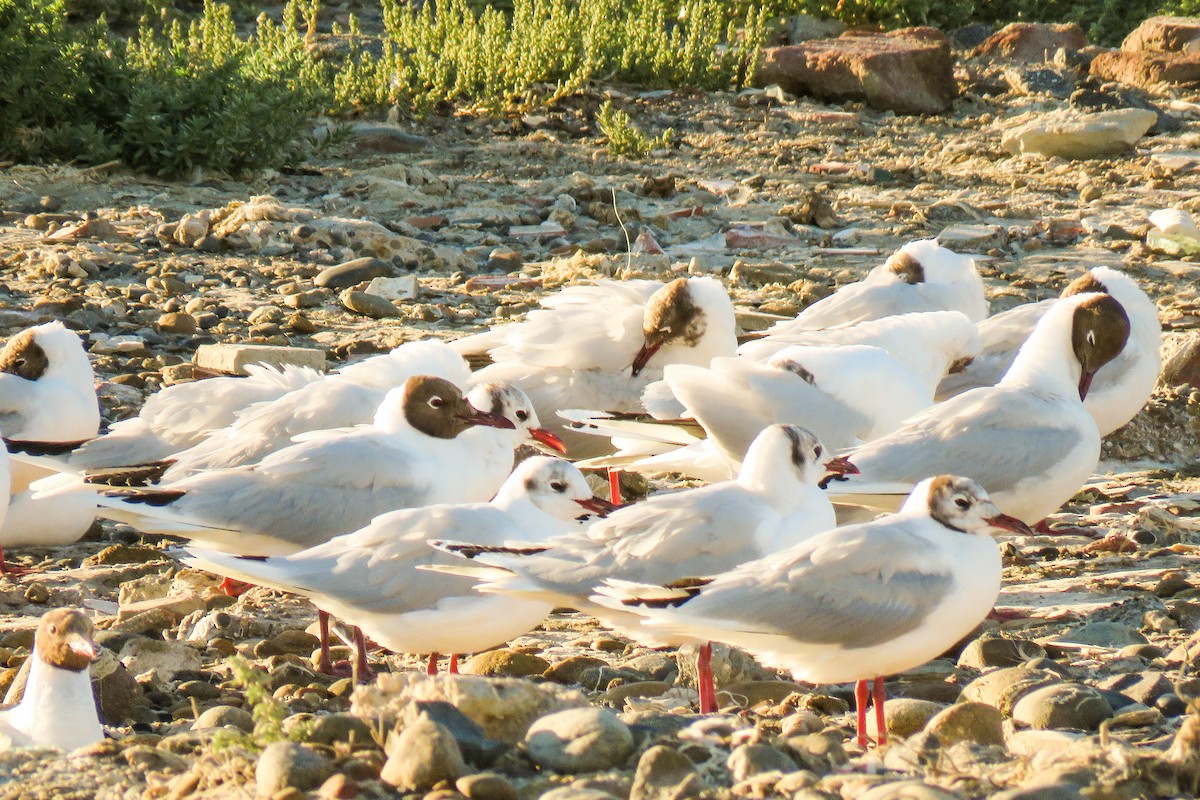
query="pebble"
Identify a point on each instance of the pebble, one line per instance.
(369, 305)
(477, 749)
(37, 593)
(748, 760)
(486, 786)
(1062, 705)
(664, 773)
(571, 670)
(995, 651)
(504, 663)
(341, 729)
(579, 740)
(1103, 634)
(220, 716)
(904, 716)
(422, 755)
(352, 273)
(967, 722)
(176, 322)
(1002, 688)
(166, 658)
(287, 765)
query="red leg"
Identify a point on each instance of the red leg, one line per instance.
(234, 588)
(324, 664)
(1042, 526)
(704, 677)
(880, 695)
(431, 667)
(861, 697)
(362, 669)
(614, 486)
(453, 664)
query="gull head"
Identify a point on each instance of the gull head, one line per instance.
(962, 505)
(558, 488)
(779, 447)
(686, 315)
(509, 401)
(436, 407)
(64, 640)
(1099, 329)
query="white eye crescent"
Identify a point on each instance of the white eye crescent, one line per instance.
(436, 402)
(1091, 338)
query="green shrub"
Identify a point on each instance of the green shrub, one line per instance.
(624, 137)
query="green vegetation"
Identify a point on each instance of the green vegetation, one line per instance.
(625, 138)
(268, 713)
(172, 97)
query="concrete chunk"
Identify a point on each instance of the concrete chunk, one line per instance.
(234, 358)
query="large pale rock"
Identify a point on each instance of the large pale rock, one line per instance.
(422, 755)
(234, 358)
(1163, 50)
(1079, 136)
(167, 658)
(1032, 42)
(579, 740)
(909, 71)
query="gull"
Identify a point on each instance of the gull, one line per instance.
(850, 604)
(47, 405)
(598, 346)
(347, 397)
(920, 276)
(370, 577)
(1121, 387)
(1028, 440)
(775, 502)
(330, 482)
(844, 394)
(57, 708)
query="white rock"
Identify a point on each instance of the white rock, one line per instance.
(166, 658)
(1073, 136)
(579, 740)
(406, 287)
(233, 358)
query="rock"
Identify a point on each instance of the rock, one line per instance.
(967, 722)
(729, 664)
(750, 693)
(1183, 366)
(664, 773)
(341, 729)
(486, 786)
(1029, 81)
(905, 790)
(377, 137)
(352, 273)
(233, 358)
(167, 658)
(1164, 35)
(909, 71)
(995, 651)
(1057, 791)
(369, 305)
(904, 716)
(571, 670)
(1147, 70)
(503, 707)
(1062, 705)
(1141, 687)
(287, 765)
(476, 748)
(421, 755)
(972, 237)
(1071, 135)
(617, 695)
(405, 287)
(117, 694)
(1103, 634)
(505, 663)
(579, 740)
(176, 322)
(748, 760)
(294, 641)
(504, 259)
(177, 607)
(220, 716)
(1002, 688)
(1032, 42)
(190, 229)
(577, 793)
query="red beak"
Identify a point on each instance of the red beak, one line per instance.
(644, 355)
(840, 466)
(477, 417)
(599, 506)
(84, 647)
(1007, 523)
(545, 437)
(1085, 383)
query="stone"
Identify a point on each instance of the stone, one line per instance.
(1165, 35)
(167, 658)
(176, 322)
(377, 137)
(1032, 42)
(1102, 634)
(972, 237)
(1141, 687)
(1062, 705)
(477, 749)
(352, 273)
(748, 760)
(178, 607)
(577, 793)
(287, 765)
(234, 358)
(420, 756)
(504, 663)
(1058, 791)
(904, 716)
(1002, 688)
(486, 786)
(222, 716)
(369, 305)
(909, 71)
(571, 670)
(341, 729)
(294, 641)
(996, 651)
(967, 722)
(748, 694)
(1183, 366)
(579, 740)
(617, 695)
(1147, 70)
(664, 773)
(905, 790)
(405, 287)
(1070, 135)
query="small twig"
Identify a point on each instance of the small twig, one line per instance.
(624, 230)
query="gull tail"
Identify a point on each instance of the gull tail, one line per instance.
(679, 432)
(132, 476)
(628, 595)
(485, 575)
(468, 550)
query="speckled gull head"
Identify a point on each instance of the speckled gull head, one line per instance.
(960, 504)
(690, 320)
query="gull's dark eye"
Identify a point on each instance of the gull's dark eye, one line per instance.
(558, 486)
(53, 629)
(436, 402)
(962, 503)
(817, 451)
(522, 415)
(1091, 338)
